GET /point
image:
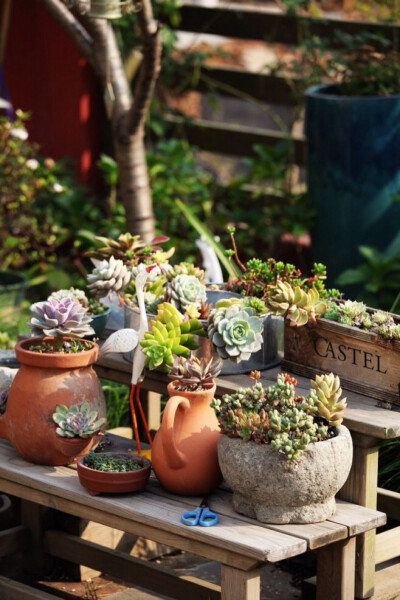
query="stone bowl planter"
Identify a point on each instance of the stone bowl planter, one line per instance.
(272, 489)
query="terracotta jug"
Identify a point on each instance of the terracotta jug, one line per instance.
(184, 452)
(42, 382)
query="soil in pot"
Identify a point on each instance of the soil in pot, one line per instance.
(112, 482)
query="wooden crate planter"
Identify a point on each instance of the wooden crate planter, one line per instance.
(365, 362)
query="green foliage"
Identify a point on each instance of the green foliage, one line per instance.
(117, 403)
(389, 465)
(47, 218)
(379, 276)
(363, 64)
(111, 463)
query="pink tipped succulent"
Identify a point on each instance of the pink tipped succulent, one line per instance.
(58, 317)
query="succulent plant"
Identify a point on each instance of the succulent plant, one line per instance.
(59, 318)
(185, 268)
(169, 336)
(234, 329)
(131, 250)
(77, 420)
(278, 416)
(109, 276)
(299, 306)
(195, 373)
(186, 290)
(326, 393)
(74, 293)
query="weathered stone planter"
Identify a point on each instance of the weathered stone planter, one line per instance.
(272, 489)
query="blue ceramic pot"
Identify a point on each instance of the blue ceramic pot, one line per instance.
(353, 173)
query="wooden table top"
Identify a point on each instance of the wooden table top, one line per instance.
(155, 514)
(362, 415)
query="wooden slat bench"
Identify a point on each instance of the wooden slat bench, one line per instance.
(242, 546)
(369, 425)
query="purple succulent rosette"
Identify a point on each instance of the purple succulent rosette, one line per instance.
(59, 317)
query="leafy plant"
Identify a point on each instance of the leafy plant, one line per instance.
(389, 465)
(379, 276)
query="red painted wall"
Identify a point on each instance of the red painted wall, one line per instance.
(45, 74)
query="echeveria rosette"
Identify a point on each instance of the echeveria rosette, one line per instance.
(235, 330)
(169, 336)
(57, 318)
(77, 420)
(109, 276)
(187, 290)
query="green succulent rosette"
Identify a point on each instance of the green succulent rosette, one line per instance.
(235, 330)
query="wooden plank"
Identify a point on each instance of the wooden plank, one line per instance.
(238, 585)
(132, 570)
(316, 534)
(361, 487)
(389, 503)
(357, 518)
(13, 540)
(14, 590)
(387, 545)
(387, 584)
(335, 571)
(364, 361)
(236, 82)
(233, 140)
(264, 23)
(147, 512)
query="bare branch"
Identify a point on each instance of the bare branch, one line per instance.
(150, 67)
(73, 28)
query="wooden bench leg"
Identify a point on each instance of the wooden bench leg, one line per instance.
(361, 487)
(239, 585)
(336, 570)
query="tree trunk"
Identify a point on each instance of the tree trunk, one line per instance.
(96, 41)
(134, 184)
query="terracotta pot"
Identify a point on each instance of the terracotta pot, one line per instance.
(114, 482)
(77, 446)
(272, 489)
(184, 451)
(42, 382)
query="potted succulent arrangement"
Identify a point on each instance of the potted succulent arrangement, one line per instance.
(361, 344)
(184, 451)
(184, 288)
(56, 368)
(113, 472)
(78, 428)
(285, 456)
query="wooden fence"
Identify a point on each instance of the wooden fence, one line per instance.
(239, 21)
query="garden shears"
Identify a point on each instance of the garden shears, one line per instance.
(201, 515)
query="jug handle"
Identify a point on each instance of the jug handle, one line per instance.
(174, 457)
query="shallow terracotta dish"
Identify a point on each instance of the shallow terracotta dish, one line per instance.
(113, 482)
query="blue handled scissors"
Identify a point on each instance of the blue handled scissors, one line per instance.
(201, 515)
